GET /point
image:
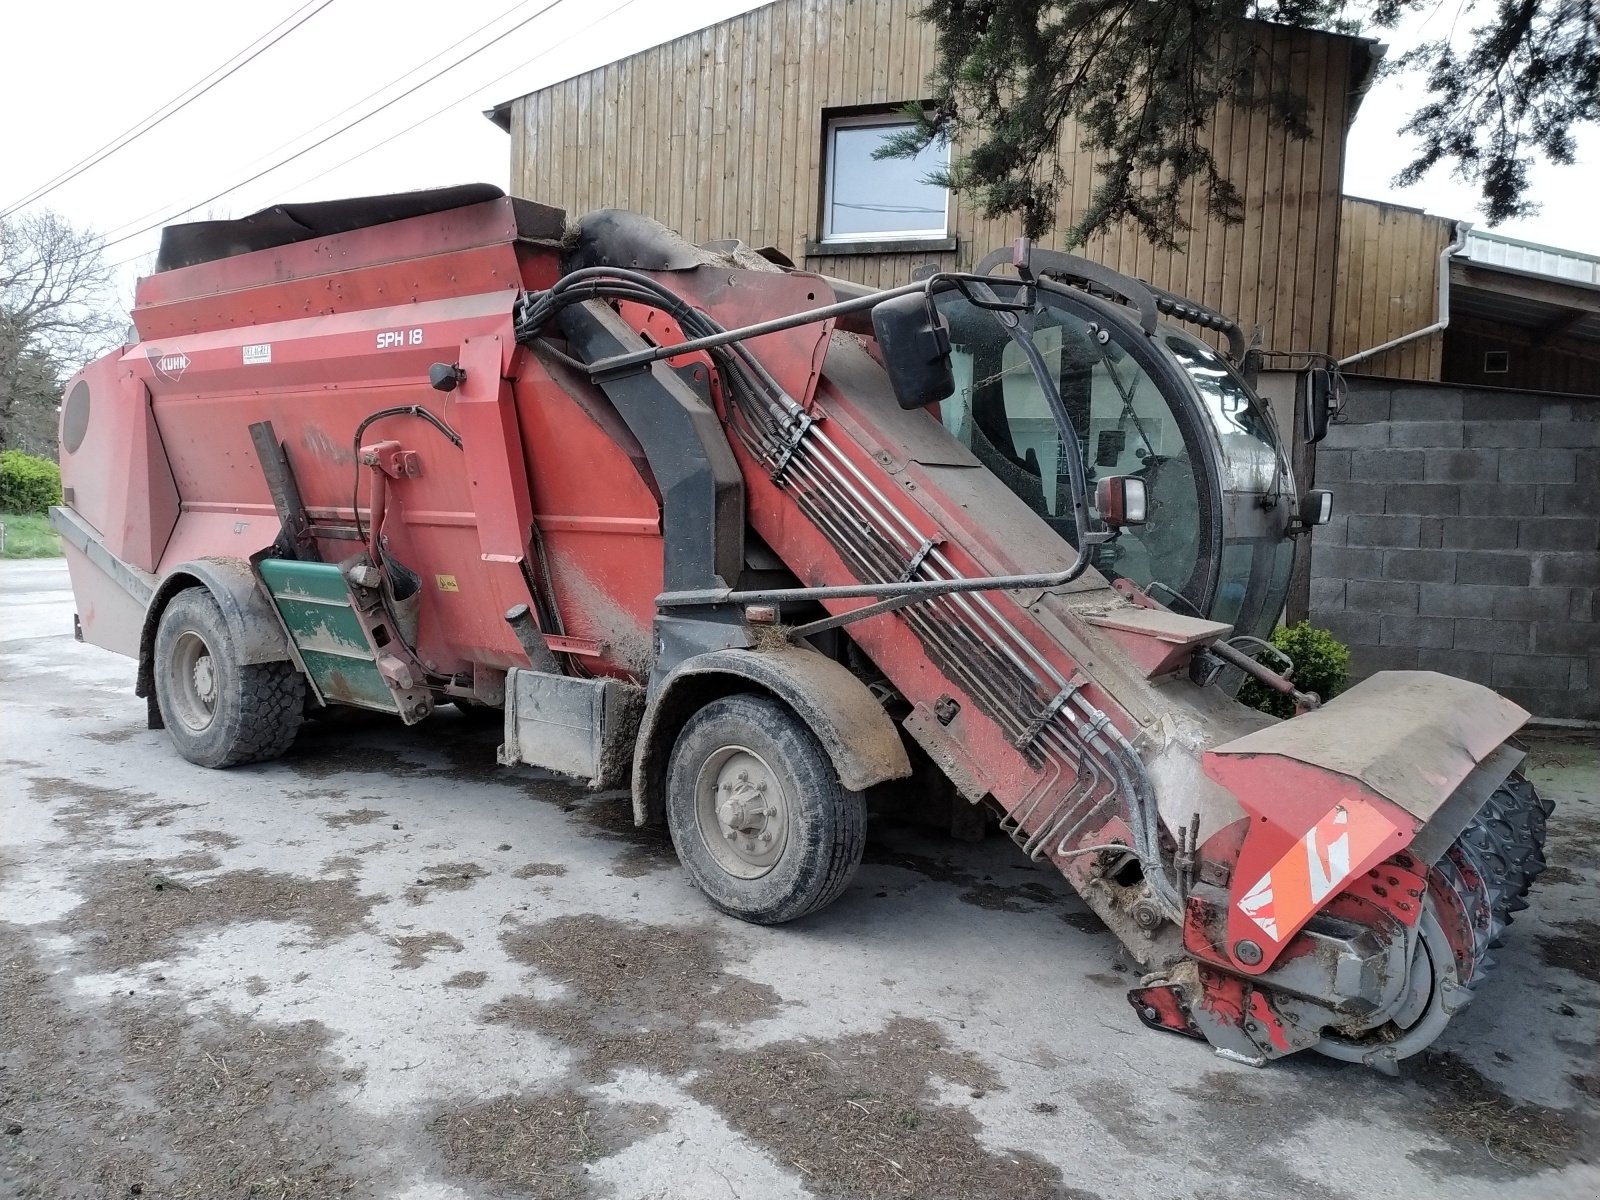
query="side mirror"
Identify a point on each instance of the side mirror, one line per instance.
(1316, 508)
(1318, 402)
(1122, 501)
(914, 339)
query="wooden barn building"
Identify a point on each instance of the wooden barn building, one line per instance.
(761, 127)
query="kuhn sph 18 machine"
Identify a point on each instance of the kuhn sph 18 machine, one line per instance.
(754, 542)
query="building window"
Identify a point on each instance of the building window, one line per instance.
(867, 199)
(1496, 362)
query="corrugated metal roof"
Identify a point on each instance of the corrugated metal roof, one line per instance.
(1496, 250)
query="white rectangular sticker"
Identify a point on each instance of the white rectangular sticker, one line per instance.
(258, 354)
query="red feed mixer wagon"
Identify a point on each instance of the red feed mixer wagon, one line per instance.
(753, 543)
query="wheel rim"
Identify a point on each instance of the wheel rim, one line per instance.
(742, 811)
(193, 695)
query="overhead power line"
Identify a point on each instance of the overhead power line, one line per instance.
(477, 89)
(178, 103)
(269, 155)
(337, 132)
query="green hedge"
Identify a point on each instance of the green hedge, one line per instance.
(28, 484)
(1321, 665)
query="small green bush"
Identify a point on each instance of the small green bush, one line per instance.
(28, 484)
(1321, 665)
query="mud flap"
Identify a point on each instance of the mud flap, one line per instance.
(1334, 792)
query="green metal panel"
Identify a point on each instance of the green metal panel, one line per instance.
(315, 604)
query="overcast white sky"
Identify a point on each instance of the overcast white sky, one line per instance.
(104, 64)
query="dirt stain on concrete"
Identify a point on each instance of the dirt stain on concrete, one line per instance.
(113, 737)
(137, 911)
(638, 995)
(859, 1116)
(1480, 1131)
(980, 891)
(95, 811)
(444, 877)
(199, 1108)
(649, 848)
(415, 948)
(214, 838)
(353, 816)
(538, 870)
(538, 1143)
(1489, 1134)
(1576, 948)
(467, 980)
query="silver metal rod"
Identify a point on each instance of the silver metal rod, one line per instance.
(621, 362)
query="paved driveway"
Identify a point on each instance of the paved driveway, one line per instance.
(384, 966)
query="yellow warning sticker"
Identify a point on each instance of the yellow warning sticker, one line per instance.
(447, 583)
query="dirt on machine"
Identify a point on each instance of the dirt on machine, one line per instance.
(757, 545)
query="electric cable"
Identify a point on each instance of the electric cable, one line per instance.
(174, 106)
(326, 121)
(336, 133)
(477, 89)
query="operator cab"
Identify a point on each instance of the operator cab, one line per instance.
(1164, 408)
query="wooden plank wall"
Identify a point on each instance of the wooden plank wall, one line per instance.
(1541, 368)
(719, 134)
(1389, 286)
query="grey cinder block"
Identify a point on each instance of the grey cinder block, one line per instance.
(1366, 595)
(1500, 500)
(1557, 533)
(1486, 566)
(1426, 404)
(1462, 466)
(1566, 637)
(1480, 533)
(1476, 665)
(1327, 595)
(1420, 566)
(1500, 637)
(1422, 499)
(1569, 433)
(1344, 436)
(1500, 435)
(1531, 671)
(1456, 600)
(1425, 433)
(1399, 466)
(1538, 466)
(1431, 632)
(1342, 562)
(1578, 570)
(1383, 531)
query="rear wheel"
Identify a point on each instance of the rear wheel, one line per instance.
(221, 712)
(757, 812)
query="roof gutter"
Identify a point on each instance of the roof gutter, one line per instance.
(1458, 241)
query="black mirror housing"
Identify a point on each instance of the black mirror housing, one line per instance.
(914, 339)
(1317, 402)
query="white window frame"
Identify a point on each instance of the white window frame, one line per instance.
(886, 120)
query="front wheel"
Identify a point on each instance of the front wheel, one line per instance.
(218, 711)
(757, 812)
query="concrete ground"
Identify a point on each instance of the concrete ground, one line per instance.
(385, 967)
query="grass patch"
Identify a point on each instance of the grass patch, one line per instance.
(28, 535)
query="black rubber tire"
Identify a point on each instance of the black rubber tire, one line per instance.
(827, 823)
(258, 707)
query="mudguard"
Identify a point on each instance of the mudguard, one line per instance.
(257, 631)
(1334, 792)
(858, 736)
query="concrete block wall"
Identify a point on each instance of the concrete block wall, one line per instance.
(1466, 539)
